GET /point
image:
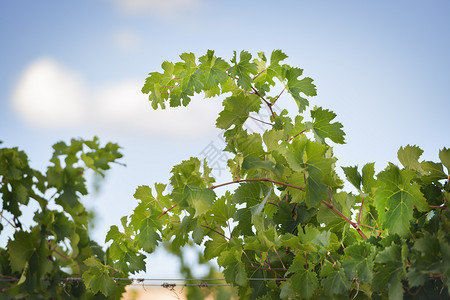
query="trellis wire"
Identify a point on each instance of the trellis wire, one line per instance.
(203, 282)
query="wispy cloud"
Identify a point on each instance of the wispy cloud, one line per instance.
(48, 95)
(167, 9)
(127, 40)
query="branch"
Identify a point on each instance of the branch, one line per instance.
(258, 179)
(279, 258)
(276, 98)
(345, 218)
(166, 211)
(267, 123)
(267, 102)
(256, 76)
(291, 138)
(218, 232)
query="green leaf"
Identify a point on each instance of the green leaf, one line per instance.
(308, 157)
(234, 271)
(322, 128)
(236, 110)
(214, 70)
(97, 280)
(353, 176)
(243, 69)
(335, 281)
(21, 248)
(444, 156)
(390, 268)
(396, 197)
(223, 208)
(258, 208)
(409, 157)
(273, 70)
(368, 180)
(214, 247)
(297, 87)
(359, 263)
(304, 281)
(148, 237)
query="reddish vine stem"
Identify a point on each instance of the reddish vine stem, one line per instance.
(258, 179)
(166, 211)
(334, 262)
(331, 206)
(267, 102)
(218, 232)
(291, 138)
(9, 277)
(267, 123)
(279, 258)
(60, 254)
(256, 76)
(277, 97)
(274, 204)
(306, 261)
(444, 207)
(248, 258)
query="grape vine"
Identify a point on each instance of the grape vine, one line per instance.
(289, 218)
(44, 257)
(283, 226)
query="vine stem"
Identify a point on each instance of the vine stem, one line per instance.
(166, 211)
(331, 206)
(218, 232)
(267, 102)
(248, 258)
(258, 179)
(291, 138)
(256, 76)
(267, 123)
(279, 258)
(275, 100)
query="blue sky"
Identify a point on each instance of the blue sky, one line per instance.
(75, 69)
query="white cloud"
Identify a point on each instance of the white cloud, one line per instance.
(50, 96)
(127, 40)
(168, 9)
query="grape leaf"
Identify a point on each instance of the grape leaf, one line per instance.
(214, 247)
(335, 281)
(353, 176)
(444, 156)
(273, 70)
(214, 70)
(359, 263)
(368, 180)
(322, 128)
(304, 281)
(223, 208)
(409, 157)
(397, 194)
(97, 281)
(295, 87)
(243, 69)
(308, 157)
(236, 110)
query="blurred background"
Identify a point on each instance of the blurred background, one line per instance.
(76, 68)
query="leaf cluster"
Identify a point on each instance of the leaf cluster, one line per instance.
(289, 229)
(43, 253)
